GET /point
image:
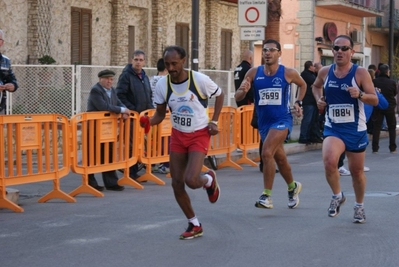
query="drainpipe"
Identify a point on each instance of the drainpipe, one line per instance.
(391, 36)
(363, 39)
(194, 34)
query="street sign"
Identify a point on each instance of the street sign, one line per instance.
(252, 33)
(252, 13)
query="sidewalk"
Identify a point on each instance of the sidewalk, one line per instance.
(293, 148)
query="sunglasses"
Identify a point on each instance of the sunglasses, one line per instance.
(343, 48)
(270, 49)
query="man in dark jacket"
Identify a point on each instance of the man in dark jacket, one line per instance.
(389, 90)
(8, 82)
(134, 90)
(103, 97)
(310, 131)
(239, 73)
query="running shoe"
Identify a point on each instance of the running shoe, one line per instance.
(192, 232)
(264, 202)
(366, 169)
(155, 168)
(163, 169)
(343, 171)
(293, 196)
(335, 205)
(360, 216)
(213, 191)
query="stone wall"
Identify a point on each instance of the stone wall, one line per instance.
(34, 28)
(13, 21)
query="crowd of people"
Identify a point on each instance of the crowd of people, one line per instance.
(342, 93)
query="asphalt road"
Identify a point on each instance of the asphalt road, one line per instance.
(142, 227)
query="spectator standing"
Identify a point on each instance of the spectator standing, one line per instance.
(134, 90)
(161, 72)
(317, 67)
(389, 90)
(103, 97)
(372, 67)
(186, 93)
(345, 127)
(8, 82)
(239, 74)
(310, 131)
(271, 83)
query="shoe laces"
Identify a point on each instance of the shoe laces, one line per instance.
(334, 203)
(359, 212)
(291, 193)
(263, 197)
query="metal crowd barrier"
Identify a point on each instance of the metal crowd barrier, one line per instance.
(249, 137)
(35, 149)
(94, 134)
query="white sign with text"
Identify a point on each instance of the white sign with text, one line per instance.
(252, 33)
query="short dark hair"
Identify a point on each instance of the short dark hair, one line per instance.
(161, 65)
(138, 52)
(179, 50)
(272, 41)
(372, 67)
(384, 68)
(308, 64)
(345, 37)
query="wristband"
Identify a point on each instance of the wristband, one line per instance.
(214, 122)
(299, 102)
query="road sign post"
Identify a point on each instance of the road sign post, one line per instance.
(250, 14)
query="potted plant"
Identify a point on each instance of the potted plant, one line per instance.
(45, 74)
(46, 60)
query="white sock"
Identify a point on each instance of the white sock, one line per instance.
(338, 195)
(194, 221)
(210, 179)
(359, 204)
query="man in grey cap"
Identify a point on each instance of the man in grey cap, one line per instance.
(103, 97)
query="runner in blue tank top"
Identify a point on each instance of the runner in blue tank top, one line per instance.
(272, 92)
(348, 88)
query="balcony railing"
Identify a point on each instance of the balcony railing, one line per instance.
(359, 8)
(383, 22)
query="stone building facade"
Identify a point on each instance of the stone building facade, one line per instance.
(34, 28)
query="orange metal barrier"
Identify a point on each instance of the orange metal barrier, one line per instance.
(249, 137)
(155, 148)
(96, 132)
(225, 141)
(35, 149)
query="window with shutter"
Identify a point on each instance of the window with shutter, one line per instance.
(80, 36)
(182, 39)
(225, 49)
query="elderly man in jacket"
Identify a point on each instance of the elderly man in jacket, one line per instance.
(103, 97)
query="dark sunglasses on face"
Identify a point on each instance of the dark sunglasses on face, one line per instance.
(270, 49)
(343, 48)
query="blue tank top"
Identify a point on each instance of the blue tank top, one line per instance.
(344, 113)
(272, 96)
